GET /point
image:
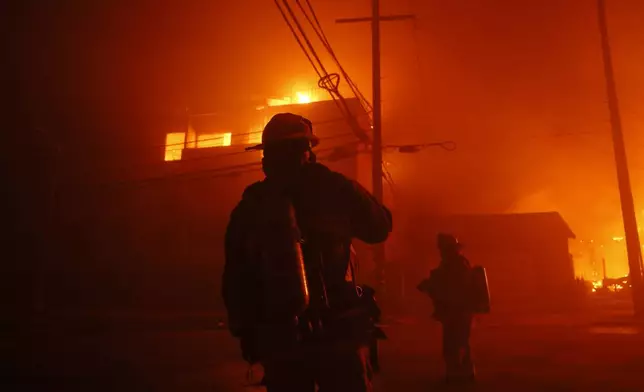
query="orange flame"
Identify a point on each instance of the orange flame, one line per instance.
(214, 140)
(299, 98)
(174, 143)
(174, 146)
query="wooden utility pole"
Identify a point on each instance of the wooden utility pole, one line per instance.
(621, 164)
(376, 146)
(604, 274)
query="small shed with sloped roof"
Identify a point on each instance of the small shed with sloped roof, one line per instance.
(526, 255)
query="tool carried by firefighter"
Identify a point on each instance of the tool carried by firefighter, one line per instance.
(283, 279)
(480, 290)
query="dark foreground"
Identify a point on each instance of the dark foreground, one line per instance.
(595, 351)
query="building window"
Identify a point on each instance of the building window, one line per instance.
(254, 137)
(214, 140)
(174, 145)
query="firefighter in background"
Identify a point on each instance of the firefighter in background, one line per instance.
(451, 288)
(326, 344)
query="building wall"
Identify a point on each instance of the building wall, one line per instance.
(528, 270)
(178, 223)
(142, 233)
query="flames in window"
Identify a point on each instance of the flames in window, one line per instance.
(174, 146)
(214, 140)
(298, 98)
(175, 143)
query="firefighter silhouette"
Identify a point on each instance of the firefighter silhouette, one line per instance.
(287, 251)
(452, 288)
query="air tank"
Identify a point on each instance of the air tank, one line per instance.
(481, 290)
(283, 273)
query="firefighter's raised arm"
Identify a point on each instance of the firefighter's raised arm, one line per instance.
(370, 220)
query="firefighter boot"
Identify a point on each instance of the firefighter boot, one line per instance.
(452, 370)
(468, 371)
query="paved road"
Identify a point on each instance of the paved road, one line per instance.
(546, 353)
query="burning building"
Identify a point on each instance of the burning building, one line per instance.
(177, 222)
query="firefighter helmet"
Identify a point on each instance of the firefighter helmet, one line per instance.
(448, 242)
(287, 126)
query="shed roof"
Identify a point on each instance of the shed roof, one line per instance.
(537, 224)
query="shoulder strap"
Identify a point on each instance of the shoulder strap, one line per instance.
(353, 265)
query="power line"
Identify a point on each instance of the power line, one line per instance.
(317, 27)
(142, 148)
(220, 137)
(210, 170)
(209, 157)
(229, 170)
(297, 38)
(327, 81)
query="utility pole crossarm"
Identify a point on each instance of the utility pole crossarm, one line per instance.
(387, 18)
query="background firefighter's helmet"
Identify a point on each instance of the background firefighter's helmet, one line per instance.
(287, 126)
(447, 242)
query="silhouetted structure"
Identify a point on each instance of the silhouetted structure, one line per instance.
(154, 232)
(526, 256)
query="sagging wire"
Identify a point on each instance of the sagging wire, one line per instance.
(317, 27)
(237, 170)
(297, 38)
(194, 159)
(389, 179)
(146, 164)
(221, 137)
(224, 171)
(413, 148)
(327, 81)
(407, 149)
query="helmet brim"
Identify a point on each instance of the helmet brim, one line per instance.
(314, 140)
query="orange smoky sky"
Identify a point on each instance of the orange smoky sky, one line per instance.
(518, 85)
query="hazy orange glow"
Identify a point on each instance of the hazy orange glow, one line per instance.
(298, 98)
(303, 98)
(175, 142)
(254, 137)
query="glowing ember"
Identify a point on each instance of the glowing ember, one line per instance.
(611, 285)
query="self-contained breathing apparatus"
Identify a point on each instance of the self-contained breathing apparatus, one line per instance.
(292, 297)
(294, 302)
(285, 291)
